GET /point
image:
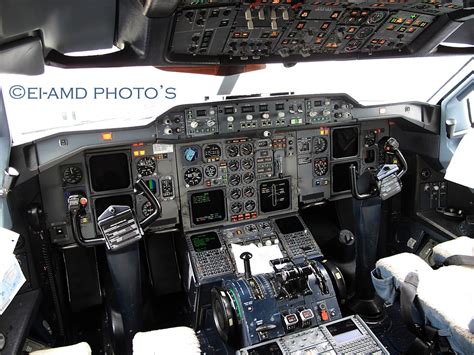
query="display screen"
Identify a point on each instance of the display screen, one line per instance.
(266, 349)
(344, 331)
(341, 176)
(289, 225)
(205, 241)
(345, 142)
(274, 195)
(248, 109)
(207, 206)
(101, 204)
(201, 113)
(109, 171)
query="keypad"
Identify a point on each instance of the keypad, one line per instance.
(213, 262)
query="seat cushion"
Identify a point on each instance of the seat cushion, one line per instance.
(179, 340)
(77, 349)
(446, 295)
(458, 246)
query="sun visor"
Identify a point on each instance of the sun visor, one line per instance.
(461, 170)
(24, 56)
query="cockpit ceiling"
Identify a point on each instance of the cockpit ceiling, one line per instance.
(235, 33)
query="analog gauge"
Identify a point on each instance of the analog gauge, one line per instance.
(249, 191)
(250, 205)
(192, 176)
(375, 17)
(212, 152)
(248, 177)
(147, 209)
(235, 194)
(234, 180)
(320, 144)
(236, 207)
(250, 228)
(246, 149)
(264, 226)
(320, 166)
(191, 153)
(233, 165)
(364, 32)
(210, 171)
(146, 166)
(247, 164)
(232, 151)
(72, 175)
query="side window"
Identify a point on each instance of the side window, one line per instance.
(457, 110)
(4, 159)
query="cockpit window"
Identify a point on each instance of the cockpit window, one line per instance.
(79, 99)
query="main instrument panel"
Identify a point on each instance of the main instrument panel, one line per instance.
(246, 31)
(222, 163)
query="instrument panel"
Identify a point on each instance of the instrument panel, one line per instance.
(273, 155)
(248, 31)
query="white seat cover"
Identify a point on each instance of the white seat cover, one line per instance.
(77, 349)
(179, 340)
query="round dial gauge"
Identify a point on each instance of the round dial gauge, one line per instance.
(247, 164)
(147, 209)
(233, 165)
(249, 191)
(236, 207)
(320, 166)
(320, 144)
(191, 153)
(72, 175)
(235, 194)
(369, 139)
(212, 152)
(210, 171)
(375, 17)
(248, 177)
(232, 151)
(250, 205)
(146, 166)
(192, 176)
(234, 180)
(246, 149)
(364, 32)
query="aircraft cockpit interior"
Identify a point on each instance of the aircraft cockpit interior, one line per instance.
(241, 223)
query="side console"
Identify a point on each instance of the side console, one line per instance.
(348, 335)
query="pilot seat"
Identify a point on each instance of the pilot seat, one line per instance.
(436, 301)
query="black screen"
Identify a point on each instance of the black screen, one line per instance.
(289, 225)
(101, 204)
(341, 176)
(266, 349)
(345, 142)
(205, 241)
(344, 331)
(274, 195)
(109, 171)
(207, 206)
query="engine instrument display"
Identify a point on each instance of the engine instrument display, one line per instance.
(210, 171)
(274, 195)
(205, 241)
(320, 166)
(289, 225)
(207, 206)
(320, 144)
(191, 154)
(345, 142)
(146, 166)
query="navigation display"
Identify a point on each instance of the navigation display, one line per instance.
(275, 195)
(205, 241)
(110, 171)
(289, 225)
(345, 142)
(207, 207)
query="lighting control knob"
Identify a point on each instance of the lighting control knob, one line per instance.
(230, 118)
(265, 115)
(194, 124)
(249, 117)
(327, 102)
(211, 123)
(281, 114)
(312, 113)
(212, 112)
(326, 113)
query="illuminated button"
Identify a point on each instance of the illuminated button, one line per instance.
(230, 118)
(324, 315)
(306, 315)
(402, 29)
(83, 201)
(107, 136)
(411, 29)
(390, 27)
(265, 115)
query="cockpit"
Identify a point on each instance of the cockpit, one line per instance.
(229, 221)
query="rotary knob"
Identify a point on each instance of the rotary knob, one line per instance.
(211, 123)
(194, 124)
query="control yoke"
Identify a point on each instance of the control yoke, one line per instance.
(386, 182)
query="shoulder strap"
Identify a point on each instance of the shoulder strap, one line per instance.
(462, 260)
